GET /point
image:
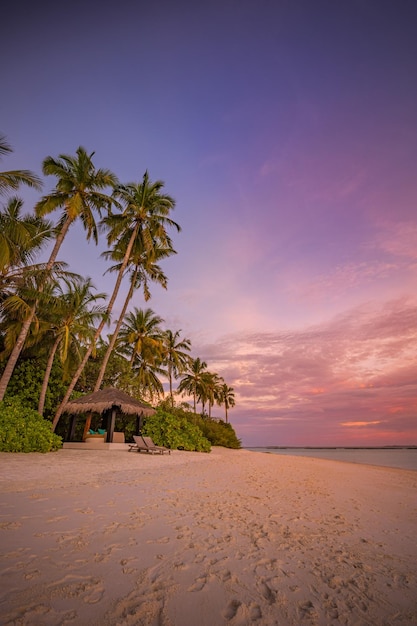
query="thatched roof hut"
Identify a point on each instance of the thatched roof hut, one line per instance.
(108, 402)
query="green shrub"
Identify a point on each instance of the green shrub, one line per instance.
(24, 430)
(219, 433)
(216, 431)
(173, 432)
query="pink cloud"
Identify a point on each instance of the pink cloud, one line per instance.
(305, 387)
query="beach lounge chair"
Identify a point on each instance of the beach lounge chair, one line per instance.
(148, 441)
(146, 444)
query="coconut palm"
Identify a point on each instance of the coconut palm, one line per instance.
(209, 389)
(144, 217)
(141, 336)
(191, 384)
(175, 356)
(141, 340)
(16, 306)
(72, 325)
(21, 237)
(80, 192)
(14, 178)
(147, 379)
(226, 397)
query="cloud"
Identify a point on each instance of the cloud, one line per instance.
(399, 239)
(347, 381)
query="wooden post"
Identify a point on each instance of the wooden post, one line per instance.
(110, 422)
(71, 428)
(87, 425)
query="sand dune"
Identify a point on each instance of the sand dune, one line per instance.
(230, 538)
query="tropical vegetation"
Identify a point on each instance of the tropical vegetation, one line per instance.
(52, 321)
(23, 430)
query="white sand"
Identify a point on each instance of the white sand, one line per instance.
(230, 538)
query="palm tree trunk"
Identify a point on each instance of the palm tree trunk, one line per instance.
(170, 384)
(15, 353)
(80, 368)
(18, 347)
(115, 334)
(47, 375)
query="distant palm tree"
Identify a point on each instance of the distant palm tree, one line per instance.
(210, 388)
(72, 325)
(226, 397)
(80, 192)
(175, 356)
(12, 179)
(191, 384)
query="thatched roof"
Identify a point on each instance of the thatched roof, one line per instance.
(104, 399)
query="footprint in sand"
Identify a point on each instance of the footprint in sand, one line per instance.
(10, 525)
(89, 590)
(58, 518)
(199, 584)
(231, 609)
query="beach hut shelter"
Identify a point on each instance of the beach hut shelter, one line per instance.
(108, 402)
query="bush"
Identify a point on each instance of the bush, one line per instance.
(173, 432)
(24, 430)
(216, 431)
(219, 433)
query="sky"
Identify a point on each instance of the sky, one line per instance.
(286, 132)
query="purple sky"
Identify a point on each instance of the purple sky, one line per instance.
(287, 133)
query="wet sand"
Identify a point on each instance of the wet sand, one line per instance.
(227, 538)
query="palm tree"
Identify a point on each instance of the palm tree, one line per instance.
(72, 325)
(147, 379)
(141, 335)
(16, 306)
(80, 192)
(21, 239)
(175, 356)
(210, 388)
(226, 397)
(145, 217)
(191, 384)
(141, 339)
(14, 178)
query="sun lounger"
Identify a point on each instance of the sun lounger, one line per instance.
(148, 441)
(145, 444)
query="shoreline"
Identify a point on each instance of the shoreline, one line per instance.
(226, 538)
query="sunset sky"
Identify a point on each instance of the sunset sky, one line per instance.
(286, 131)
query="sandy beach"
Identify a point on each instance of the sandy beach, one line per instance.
(227, 538)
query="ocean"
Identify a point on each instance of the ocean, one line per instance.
(401, 458)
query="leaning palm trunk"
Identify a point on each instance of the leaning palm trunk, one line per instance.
(18, 347)
(47, 375)
(113, 339)
(89, 350)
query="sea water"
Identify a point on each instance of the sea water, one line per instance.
(402, 458)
